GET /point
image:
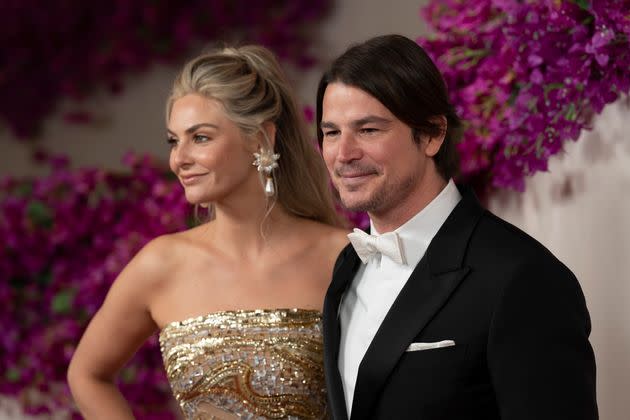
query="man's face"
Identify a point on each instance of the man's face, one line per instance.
(370, 154)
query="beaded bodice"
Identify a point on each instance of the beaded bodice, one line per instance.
(250, 364)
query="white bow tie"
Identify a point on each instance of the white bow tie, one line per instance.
(368, 246)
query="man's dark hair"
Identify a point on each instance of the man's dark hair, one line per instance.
(399, 73)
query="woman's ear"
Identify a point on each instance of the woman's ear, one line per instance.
(269, 134)
(434, 143)
(264, 139)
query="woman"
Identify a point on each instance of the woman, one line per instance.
(219, 292)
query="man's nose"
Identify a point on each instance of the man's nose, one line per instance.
(348, 148)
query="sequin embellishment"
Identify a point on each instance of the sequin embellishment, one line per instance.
(250, 364)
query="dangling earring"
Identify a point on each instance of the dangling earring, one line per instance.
(266, 161)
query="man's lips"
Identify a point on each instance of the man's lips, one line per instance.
(355, 174)
(354, 178)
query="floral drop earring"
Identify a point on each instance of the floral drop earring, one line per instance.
(266, 161)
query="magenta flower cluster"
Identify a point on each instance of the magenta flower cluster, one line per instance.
(66, 237)
(527, 76)
(67, 49)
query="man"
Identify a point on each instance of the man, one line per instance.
(445, 311)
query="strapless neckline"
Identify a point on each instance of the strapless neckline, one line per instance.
(247, 364)
(244, 313)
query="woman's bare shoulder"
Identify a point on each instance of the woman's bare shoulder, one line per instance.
(158, 251)
(339, 237)
(159, 257)
(332, 238)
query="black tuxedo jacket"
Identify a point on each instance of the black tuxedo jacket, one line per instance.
(517, 316)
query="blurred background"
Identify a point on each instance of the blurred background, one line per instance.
(543, 86)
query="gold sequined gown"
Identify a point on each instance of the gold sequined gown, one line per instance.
(250, 364)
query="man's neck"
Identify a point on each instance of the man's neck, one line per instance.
(399, 213)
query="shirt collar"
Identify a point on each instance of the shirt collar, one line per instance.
(417, 233)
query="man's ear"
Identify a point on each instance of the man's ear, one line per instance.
(434, 143)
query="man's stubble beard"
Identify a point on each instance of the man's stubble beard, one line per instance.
(386, 197)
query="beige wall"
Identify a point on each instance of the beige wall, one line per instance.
(579, 210)
(130, 121)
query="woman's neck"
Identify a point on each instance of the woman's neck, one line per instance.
(249, 231)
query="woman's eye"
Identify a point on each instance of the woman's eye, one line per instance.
(200, 138)
(171, 141)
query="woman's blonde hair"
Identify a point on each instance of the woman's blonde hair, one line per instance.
(253, 90)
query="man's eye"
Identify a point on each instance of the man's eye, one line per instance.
(331, 133)
(369, 130)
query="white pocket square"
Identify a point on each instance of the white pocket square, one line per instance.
(428, 346)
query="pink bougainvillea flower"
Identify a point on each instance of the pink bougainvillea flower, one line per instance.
(526, 76)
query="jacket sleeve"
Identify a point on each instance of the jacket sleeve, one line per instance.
(540, 360)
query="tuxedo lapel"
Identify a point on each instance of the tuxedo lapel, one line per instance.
(345, 268)
(429, 287)
(419, 300)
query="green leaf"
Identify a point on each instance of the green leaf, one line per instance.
(18, 282)
(24, 189)
(571, 113)
(44, 278)
(12, 374)
(509, 151)
(583, 4)
(62, 302)
(538, 145)
(532, 105)
(191, 222)
(513, 95)
(551, 86)
(128, 375)
(40, 214)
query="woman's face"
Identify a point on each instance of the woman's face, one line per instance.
(209, 153)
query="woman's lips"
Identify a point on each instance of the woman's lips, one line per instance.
(191, 179)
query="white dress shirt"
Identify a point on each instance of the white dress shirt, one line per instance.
(377, 284)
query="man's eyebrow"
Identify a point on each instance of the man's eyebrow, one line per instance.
(327, 124)
(370, 119)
